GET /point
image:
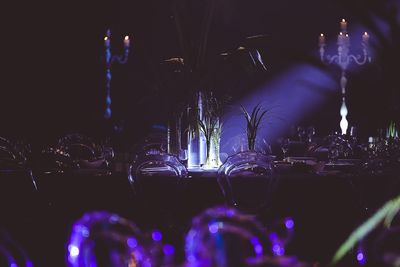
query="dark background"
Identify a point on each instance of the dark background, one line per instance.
(54, 74)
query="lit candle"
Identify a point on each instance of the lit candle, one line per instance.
(126, 41)
(365, 37)
(321, 39)
(343, 25)
(340, 38)
(107, 41)
(347, 39)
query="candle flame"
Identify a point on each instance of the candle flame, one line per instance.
(343, 20)
(322, 35)
(365, 33)
(106, 38)
(126, 37)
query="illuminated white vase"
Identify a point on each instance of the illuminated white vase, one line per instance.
(344, 124)
(213, 160)
(197, 148)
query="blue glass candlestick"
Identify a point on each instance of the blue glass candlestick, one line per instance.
(109, 59)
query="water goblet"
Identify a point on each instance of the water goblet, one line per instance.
(285, 144)
(333, 153)
(301, 133)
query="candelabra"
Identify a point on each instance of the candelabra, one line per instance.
(343, 58)
(109, 59)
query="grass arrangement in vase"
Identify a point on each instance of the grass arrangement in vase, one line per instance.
(211, 127)
(392, 131)
(253, 121)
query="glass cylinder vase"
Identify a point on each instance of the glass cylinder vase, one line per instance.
(213, 148)
(197, 148)
(174, 135)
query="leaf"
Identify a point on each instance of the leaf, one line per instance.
(259, 120)
(386, 213)
(392, 212)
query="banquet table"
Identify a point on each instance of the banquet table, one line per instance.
(325, 206)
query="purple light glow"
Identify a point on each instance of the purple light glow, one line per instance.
(361, 258)
(114, 218)
(258, 249)
(100, 227)
(168, 250)
(73, 251)
(230, 213)
(273, 236)
(213, 228)
(132, 242)
(289, 223)
(278, 250)
(157, 236)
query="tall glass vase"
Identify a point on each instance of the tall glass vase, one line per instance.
(213, 147)
(194, 148)
(197, 148)
(174, 135)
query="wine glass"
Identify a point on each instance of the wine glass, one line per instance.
(333, 152)
(310, 133)
(183, 155)
(285, 144)
(301, 133)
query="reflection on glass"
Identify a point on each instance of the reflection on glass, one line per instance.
(248, 163)
(280, 234)
(380, 248)
(224, 237)
(11, 253)
(76, 151)
(13, 156)
(253, 192)
(159, 164)
(102, 239)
